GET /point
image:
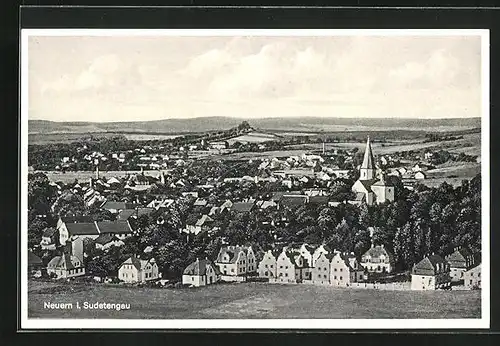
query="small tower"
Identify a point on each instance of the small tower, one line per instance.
(367, 169)
(96, 163)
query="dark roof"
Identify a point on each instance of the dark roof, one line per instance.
(378, 251)
(368, 183)
(428, 265)
(144, 211)
(368, 160)
(33, 259)
(78, 219)
(458, 258)
(232, 251)
(63, 262)
(242, 207)
(199, 268)
(319, 199)
(277, 196)
(115, 227)
(117, 205)
(125, 214)
(84, 228)
(134, 261)
(105, 238)
(293, 200)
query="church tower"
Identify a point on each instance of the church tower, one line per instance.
(367, 169)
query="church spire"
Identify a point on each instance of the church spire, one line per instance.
(367, 169)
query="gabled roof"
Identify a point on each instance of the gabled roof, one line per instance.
(139, 264)
(83, 228)
(318, 199)
(105, 238)
(108, 205)
(125, 214)
(368, 160)
(115, 227)
(293, 200)
(378, 251)
(459, 257)
(429, 265)
(75, 218)
(61, 262)
(199, 268)
(242, 207)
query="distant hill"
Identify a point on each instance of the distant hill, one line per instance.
(304, 124)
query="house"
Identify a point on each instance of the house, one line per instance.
(115, 207)
(472, 277)
(460, 261)
(49, 239)
(378, 260)
(322, 249)
(120, 229)
(138, 270)
(236, 260)
(201, 225)
(307, 251)
(420, 175)
(35, 264)
(200, 202)
(267, 266)
(291, 267)
(320, 273)
(107, 240)
(431, 273)
(345, 269)
(81, 229)
(65, 266)
(200, 273)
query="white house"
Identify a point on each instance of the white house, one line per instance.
(138, 270)
(236, 260)
(431, 273)
(65, 266)
(200, 273)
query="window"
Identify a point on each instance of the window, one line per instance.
(266, 265)
(266, 274)
(478, 275)
(286, 267)
(271, 265)
(281, 267)
(286, 274)
(335, 269)
(335, 277)
(281, 274)
(324, 276)
(232, 270)
(341, 278)
(340, 269)
(192, 278)
(471, 282)
(471, 274)
(319, 276)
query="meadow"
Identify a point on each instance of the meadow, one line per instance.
(252, 301)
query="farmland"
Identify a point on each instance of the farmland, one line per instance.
(251, 300)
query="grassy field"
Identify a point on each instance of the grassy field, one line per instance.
(251, 300)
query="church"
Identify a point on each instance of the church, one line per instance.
(369, 188)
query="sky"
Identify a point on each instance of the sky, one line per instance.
(120, 78)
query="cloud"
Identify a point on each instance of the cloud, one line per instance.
(104, 74)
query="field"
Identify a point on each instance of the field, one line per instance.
(84, 176)
(251, 300)
(253, 137)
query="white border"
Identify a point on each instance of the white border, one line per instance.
(483, 322)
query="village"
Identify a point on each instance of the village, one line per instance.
(301, 219)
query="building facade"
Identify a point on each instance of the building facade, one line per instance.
(377, 260)
(200, 273)
(431, 273)
(138, 270)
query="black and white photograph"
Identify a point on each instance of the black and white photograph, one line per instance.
(184, 178)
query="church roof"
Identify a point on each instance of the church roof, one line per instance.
(368, 160)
